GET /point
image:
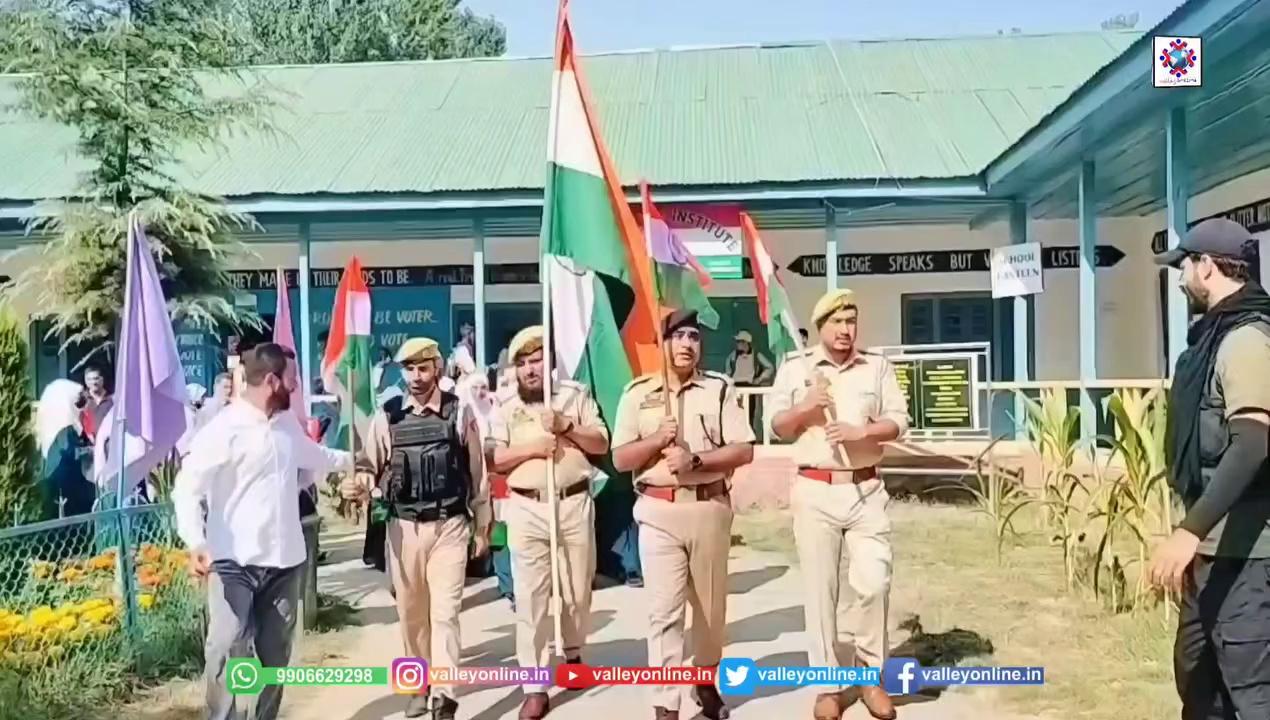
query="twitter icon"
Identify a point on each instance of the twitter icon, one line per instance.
(737, 676)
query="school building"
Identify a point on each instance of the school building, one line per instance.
(891, 167)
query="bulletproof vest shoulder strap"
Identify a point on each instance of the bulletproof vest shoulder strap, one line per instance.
(396, 410)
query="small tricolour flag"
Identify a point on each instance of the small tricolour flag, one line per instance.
(681, 280)
(773, 303)
(346, 365)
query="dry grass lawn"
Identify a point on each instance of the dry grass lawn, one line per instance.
(1098, 666)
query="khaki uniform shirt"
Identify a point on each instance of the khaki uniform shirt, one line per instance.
(377, 455)
(864, 390)
(710, 416)
(518, 423)
(1239, 379)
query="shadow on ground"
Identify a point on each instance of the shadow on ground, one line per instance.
(747, 580)
(766, 626)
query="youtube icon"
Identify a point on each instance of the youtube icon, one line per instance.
(573, 676)
(576, 676)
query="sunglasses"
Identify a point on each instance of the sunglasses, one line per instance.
(686, 334)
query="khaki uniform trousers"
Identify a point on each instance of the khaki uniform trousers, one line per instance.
(529, 539)
(428, 562)
(843, 536)
(683, 549)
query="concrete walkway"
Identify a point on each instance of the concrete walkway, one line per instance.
(765, 623)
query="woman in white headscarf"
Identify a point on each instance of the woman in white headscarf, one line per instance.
(65, 486)
(476, 401)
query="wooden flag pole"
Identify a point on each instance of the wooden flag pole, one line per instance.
(830, 414)
(553, 509)
(665, 362)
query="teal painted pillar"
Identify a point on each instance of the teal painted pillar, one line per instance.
(1088, 301)
(831, 248)
(1179, 193)
(478, 288)
(306, 331)
(1023, 312)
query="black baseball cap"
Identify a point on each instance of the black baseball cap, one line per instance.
(1217, 237)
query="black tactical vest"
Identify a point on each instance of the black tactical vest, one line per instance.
(428, 471)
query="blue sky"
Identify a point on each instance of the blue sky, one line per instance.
(606, 25)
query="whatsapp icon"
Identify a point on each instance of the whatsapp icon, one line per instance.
(244, 676)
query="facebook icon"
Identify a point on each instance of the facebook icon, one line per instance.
(901, 676)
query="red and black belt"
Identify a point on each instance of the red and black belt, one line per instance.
(541, 495)
(858, 475)
(694, 493)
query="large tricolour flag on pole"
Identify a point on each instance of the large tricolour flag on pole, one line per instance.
(346, 365)
(773, 303)
(604, 322)
(681, 280)
(148, 417)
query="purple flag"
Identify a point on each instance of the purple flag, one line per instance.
(150, 396)
(283, 336)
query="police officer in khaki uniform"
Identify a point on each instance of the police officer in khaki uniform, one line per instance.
(683, 442)
(526, 436)
(839, 404)
(425, 464)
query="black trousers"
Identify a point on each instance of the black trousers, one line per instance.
(1221, 659)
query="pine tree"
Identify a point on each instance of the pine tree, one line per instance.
(343, 31)
(140, 82)
(19, 494)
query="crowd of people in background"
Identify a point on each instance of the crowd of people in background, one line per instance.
(72, 419)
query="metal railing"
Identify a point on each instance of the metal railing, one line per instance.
(109, 587)
(101, 588)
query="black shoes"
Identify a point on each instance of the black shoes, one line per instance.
(444, 708)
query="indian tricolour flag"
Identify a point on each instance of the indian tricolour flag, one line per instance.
(346, 365)
(773, 303)
(681, 281)
(603, 313)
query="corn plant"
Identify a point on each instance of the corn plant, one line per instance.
(1132, 506)
(1051, 426)
(999, 495)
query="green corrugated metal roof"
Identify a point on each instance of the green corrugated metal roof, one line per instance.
(839, 111)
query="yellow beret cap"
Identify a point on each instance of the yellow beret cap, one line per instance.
(830, 303)
(419, 348)
(526, 341)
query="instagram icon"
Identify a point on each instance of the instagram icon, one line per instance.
(409, 675)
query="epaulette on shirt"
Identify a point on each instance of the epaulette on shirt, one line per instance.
(799, 353)
(718, 376)
(639, 381)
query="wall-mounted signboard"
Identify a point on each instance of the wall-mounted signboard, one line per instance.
(941, 390)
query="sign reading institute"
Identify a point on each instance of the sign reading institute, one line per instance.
(1016, 270)
(712, 233)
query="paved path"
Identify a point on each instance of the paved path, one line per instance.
(766, 621)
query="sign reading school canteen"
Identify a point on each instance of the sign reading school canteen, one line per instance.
(1016, 270)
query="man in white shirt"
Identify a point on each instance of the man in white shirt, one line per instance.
(244, 467)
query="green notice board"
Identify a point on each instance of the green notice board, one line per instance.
(939, 391)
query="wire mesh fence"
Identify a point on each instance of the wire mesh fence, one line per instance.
(93, 600)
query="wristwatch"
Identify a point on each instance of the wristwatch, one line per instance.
(696, 462)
